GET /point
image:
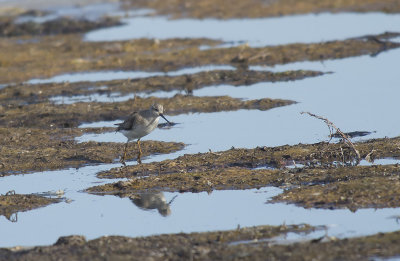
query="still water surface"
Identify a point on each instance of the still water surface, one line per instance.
(360, 95)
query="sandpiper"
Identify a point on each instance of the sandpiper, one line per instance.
(139, 124)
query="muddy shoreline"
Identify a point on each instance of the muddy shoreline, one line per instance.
(49, 115)
(330, 178)
(38, 135)
(254, 243)
(24, 150)
(187, 83)
(227, 9)
(11, 204)
(74, 55)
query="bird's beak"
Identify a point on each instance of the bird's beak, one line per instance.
(162, 115)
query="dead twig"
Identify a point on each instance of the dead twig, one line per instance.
(369, 157)
(330, 126)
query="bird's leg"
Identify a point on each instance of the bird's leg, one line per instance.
(140, 149)
(123, 157)
(140, 152)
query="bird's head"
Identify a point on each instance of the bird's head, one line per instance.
(158, 110)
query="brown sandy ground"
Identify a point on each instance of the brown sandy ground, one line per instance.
(68, 53)
(31, 149)
(255, 243)
(12, 203)
(225, 9)
(47, 114)
(331, 177)
(35, 93)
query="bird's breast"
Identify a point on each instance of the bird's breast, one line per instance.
(144, 129)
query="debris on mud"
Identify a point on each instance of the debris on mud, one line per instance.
(11, 203)
(330, 169)
(253, 243)
(321, 154)
(25, 150)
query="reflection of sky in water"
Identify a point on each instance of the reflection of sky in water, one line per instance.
(357, 96)
(385, 161)
(111, 97)
(117, 75)
(285, 239)
(396, 39)
(257, 32)
(220, 131)
(361, 94)
(95, 216)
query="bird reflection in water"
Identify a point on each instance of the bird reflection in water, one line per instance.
(148, 201)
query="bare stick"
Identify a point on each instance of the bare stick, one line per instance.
(331, 125)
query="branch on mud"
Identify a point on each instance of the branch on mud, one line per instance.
(331, 125)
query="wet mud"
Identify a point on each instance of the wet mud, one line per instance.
(63, 25)
(35, 93)
(225, 9)
(373, 187)
(25, 150)
(37, 135)
(253, 243)
(323, 154)
(47, 114)
(51, 55)
(37, 60)
(329, 176)
(11, 204)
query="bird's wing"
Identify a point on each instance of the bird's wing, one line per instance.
(128, 123)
